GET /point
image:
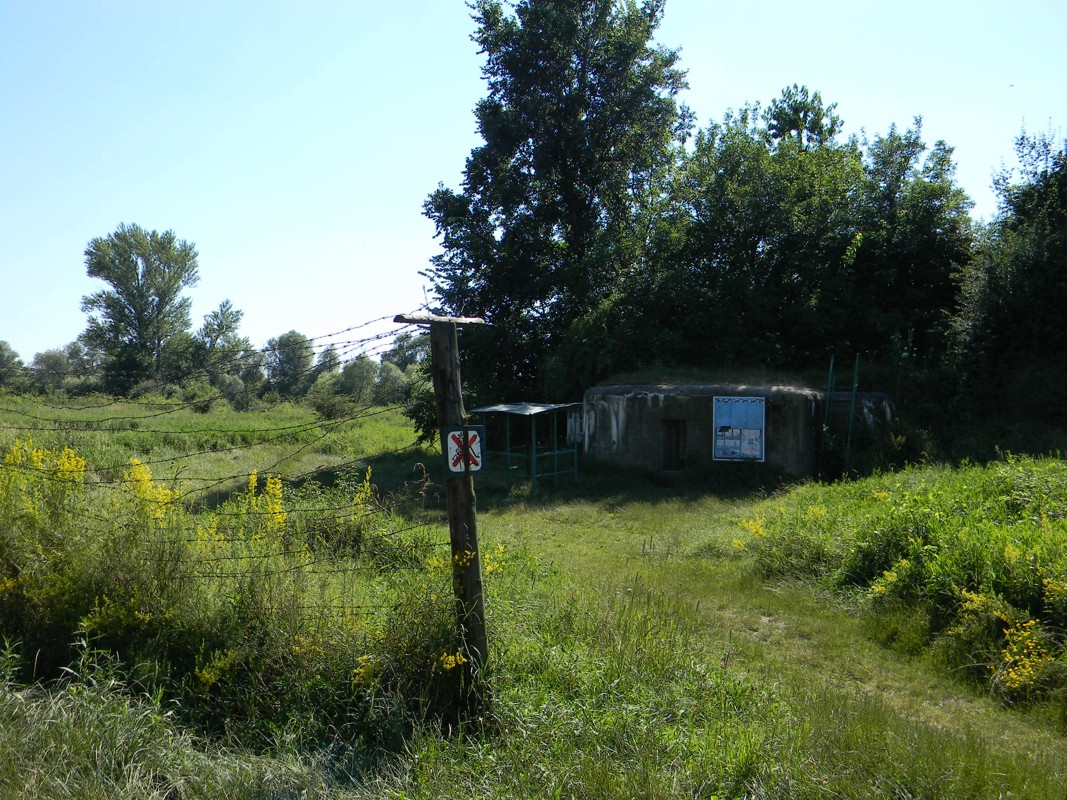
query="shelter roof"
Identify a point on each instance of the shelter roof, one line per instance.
(522, 409)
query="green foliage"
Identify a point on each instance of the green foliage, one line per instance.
(254, 618)
(580, 127)
(1009, 333)
(978, 554)
(408, 350)
(799, 115)
(916, 237)
(326, 398)
(225, 356)
(391, 385)
(93, 735)
(814, 245)
(421, 407)
(50, 370)
(289, 362)
(135, 320)
(328, 361)
(810, 245)
(199, 394)
(772, 228)
(11, 366)
(358, 377)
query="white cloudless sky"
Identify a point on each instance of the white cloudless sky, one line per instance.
(294, 143)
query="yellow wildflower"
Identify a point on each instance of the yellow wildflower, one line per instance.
(366, 674)
(755, 527)
(448, 661)
(156, 498)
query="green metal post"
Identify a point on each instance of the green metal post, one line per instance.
(575, 453)
(533, 452)
(555, 449)
(852, 410)
(829, 392)
(507, 447)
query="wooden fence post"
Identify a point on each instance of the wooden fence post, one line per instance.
(459, 489)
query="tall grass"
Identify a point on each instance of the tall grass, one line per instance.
(209, 454)
(90, 737)
(295, 639)
(271, 616)
(971, 562)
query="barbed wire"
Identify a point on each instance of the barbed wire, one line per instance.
(324, 427)
(372, 535)
(369, 346)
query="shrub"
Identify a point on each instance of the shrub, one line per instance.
(978, 555)
(246, 614)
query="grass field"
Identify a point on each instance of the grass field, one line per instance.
(646, 641)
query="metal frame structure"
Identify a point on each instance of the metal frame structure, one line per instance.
(526, 461)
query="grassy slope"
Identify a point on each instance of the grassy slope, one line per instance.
(845, 715)
(635, 653)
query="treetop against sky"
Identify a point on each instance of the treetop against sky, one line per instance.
(295, 145)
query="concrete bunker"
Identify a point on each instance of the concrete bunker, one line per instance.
(677, 428)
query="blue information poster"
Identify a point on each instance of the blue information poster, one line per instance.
(739, 429)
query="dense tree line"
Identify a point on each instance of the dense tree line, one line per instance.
(599, 232)
(138, 340)
(1009, 335)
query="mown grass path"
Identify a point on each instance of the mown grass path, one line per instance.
(848, 717)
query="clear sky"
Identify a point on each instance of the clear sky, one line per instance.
(294, 143)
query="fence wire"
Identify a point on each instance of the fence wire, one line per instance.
(345, 546)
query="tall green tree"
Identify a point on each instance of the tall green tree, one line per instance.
(134, 320)
(329, 360)
(580, 126)
(408, 349)
(221, 350)
(917, 236)
(795, 244)
(290, 362)
(764, 256)
(799, 115)
(358, 377)
(11, 367)
(220, 327)
(1010, 331)
(50, 369)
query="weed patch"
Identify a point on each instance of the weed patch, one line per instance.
(971, 562)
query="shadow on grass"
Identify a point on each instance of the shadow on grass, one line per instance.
(418, 477)
(393, 473)
(603, 483)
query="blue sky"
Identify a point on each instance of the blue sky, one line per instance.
(294, 143)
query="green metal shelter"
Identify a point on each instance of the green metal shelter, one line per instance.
(533, 451)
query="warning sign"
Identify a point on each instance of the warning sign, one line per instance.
(464, 449)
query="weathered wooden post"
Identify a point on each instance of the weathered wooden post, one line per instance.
(459, 489)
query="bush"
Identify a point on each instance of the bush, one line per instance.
(246, 614)
(325, 397)
(978, 555)
(199, 394)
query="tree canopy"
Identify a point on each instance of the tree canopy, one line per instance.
(592, 240)
(290, 362)
(11, 366)
(579, 125)
(1010, 331)
(135, 320)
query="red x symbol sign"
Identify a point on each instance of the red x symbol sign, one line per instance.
(465, 451)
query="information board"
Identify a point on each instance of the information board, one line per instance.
(739, 429)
